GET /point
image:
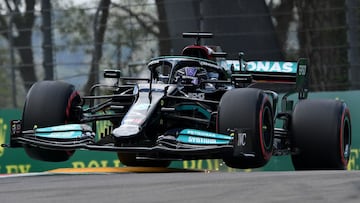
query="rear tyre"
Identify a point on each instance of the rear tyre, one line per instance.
(321, 135)
(129, 159)
(48, 103)
(248, 108)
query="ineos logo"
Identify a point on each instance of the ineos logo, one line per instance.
(196, 95)
(241, 139)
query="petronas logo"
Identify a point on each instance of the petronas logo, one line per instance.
(3, 128)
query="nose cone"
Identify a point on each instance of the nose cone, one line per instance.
(126, 131)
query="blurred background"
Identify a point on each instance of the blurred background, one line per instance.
(74, 40)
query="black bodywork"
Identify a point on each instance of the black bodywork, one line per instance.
(141, 118)
(147, 116)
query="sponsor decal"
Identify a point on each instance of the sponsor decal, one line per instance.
(193, 136)
(266, 66)
(302, 70)
(205, 134)
(272, 66)
(353, 163)
(241, 139)
(196, 95)
(15, 168)
(200, 140)
(96, 164)
(234, 63)
(60, 135)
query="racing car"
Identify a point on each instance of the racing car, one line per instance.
(196, 105)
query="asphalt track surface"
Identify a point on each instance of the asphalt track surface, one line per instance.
(158, 185)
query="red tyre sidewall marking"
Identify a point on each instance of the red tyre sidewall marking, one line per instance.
(68, 107)
(266, 154)
(342, 150)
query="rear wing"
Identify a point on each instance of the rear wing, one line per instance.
(265, 71)
(249, 72)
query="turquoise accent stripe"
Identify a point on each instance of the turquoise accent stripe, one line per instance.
(69, 131)
(66, 127)
(201, 133)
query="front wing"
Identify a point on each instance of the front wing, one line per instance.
(187, 144)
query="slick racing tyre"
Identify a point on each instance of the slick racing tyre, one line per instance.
(321, 135)
(129, 159)
(48, 103)
(248, 109)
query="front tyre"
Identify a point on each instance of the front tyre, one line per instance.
(321, 135)
(49, 103)
(248, 109)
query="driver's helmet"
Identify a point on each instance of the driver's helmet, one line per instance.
(193, 75)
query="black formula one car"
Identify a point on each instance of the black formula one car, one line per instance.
(197, 105)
